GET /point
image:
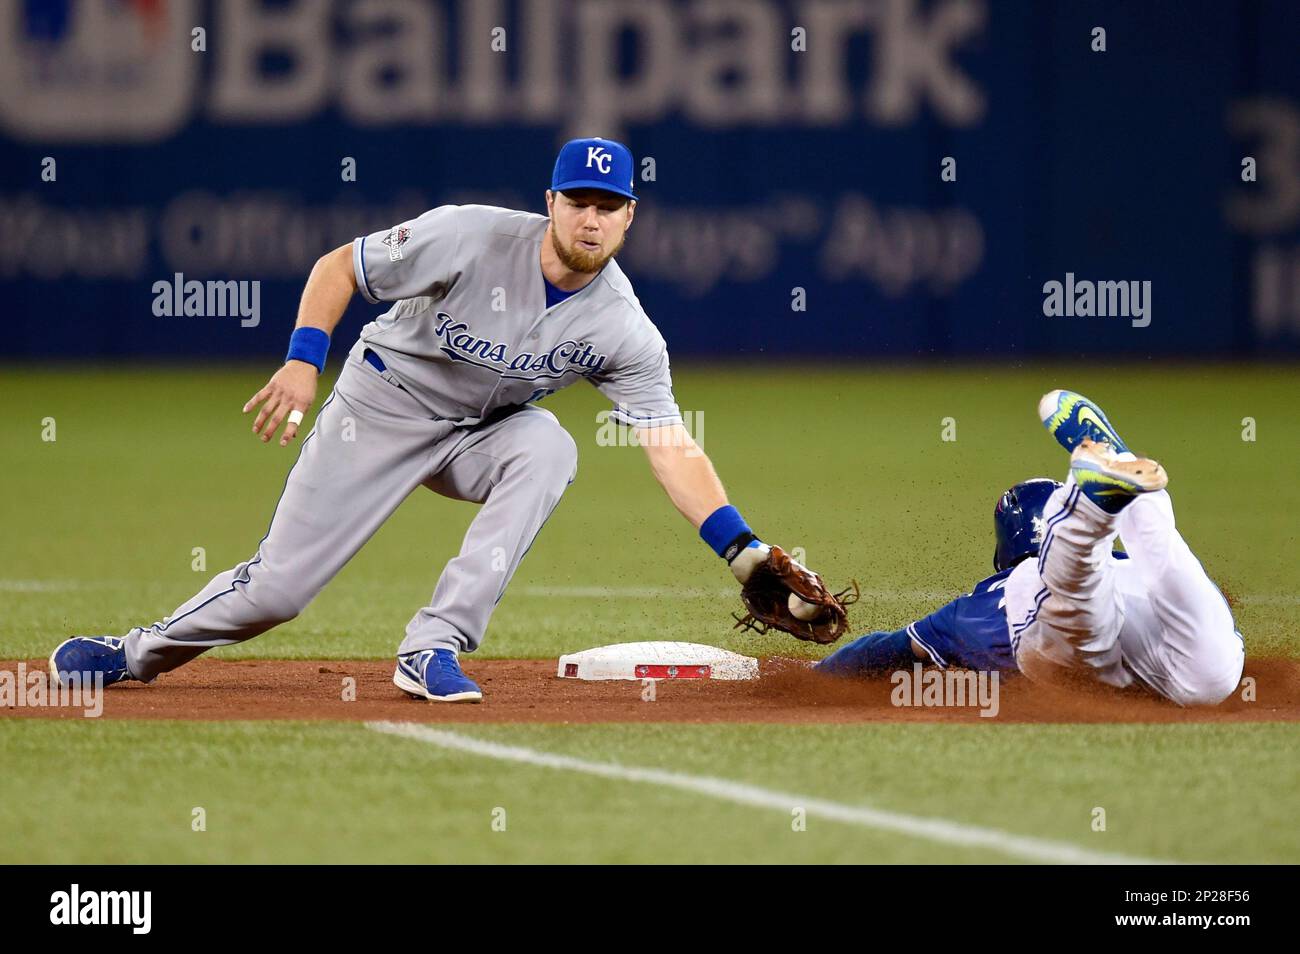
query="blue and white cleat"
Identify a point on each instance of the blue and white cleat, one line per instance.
(1111, 482)
(435, 674)
(84, 656)
(1070, 417)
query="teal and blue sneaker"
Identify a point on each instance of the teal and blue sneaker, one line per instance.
(1111, 482)
(435, 674)
(1070, 417)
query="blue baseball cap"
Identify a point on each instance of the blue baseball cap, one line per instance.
(594, 164)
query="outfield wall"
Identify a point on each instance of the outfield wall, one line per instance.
(798, 208)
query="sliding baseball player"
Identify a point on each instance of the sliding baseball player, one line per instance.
(491, 310)
(1063, 608)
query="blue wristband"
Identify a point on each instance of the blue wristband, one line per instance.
(310, 345)
(722, 528)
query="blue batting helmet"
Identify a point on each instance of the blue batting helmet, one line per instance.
(1018, 521)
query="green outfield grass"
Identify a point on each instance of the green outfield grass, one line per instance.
(294, 792)
(846, 463)
(101, 524)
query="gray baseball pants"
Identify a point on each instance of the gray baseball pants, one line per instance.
(372, 445)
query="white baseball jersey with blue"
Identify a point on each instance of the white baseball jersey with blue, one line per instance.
(1156, 617)
(467, 345)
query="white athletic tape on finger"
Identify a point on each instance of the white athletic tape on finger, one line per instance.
(295, 417)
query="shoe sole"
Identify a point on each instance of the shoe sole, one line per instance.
(1142, 474)
(54, 668)
(1049, 405)
(417, 690)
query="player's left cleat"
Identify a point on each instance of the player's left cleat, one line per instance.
(435, 674)
(1111, 482)
(1070, 417)
(86, 656)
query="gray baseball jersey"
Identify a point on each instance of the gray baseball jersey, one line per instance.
(470, 331)
(469, 334)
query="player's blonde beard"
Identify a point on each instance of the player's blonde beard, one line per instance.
(575, 259)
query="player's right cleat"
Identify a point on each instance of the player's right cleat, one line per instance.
(86, 656)
(1110, 482)
(435, 674)
(1070, 417)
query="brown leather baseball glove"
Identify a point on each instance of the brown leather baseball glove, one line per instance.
(766, 591)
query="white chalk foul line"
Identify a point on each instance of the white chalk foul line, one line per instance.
(38, 586)
(650, 591)
(933, 829)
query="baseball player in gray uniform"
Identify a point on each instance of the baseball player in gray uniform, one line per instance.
(491, 309)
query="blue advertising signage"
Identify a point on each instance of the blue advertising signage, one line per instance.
(817, 180)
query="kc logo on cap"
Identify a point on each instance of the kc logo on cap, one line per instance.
(594, 164)
(598, 156)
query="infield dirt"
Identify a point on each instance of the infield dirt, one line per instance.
(528, 690)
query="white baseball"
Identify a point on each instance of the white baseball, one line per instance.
(801, 610)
